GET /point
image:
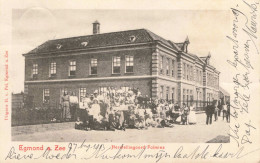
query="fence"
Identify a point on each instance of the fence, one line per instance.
(36, 115)
(200, 105)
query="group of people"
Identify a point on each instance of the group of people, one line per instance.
(216, 109)
(119, 109)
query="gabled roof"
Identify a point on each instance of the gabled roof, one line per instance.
(100, 40)
(109, 39)
(97, 40)
(223, 91)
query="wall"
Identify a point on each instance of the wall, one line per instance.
(142, 64)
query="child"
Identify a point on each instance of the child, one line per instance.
(79, 124)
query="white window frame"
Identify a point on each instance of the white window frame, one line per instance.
(161, 64)
(173, 68)
(117, 63)
(161, 92)
(167, 93)
(44, 94)
(73, 66)
(173, 94)
(53, 69)
(129, 62)
(82, 90)
(90, 66)
(167, 66)
(35, 69)
(184, 70)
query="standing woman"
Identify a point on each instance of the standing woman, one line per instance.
(192, 115)
(224, 108)
(184, 114)
(74, 101)
(66, 106)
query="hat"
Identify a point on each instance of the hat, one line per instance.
(96, 91)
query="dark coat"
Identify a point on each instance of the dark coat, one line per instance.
(210, 109)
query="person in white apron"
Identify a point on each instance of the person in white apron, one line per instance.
(66, 107)
(192, 115)
(224, 108)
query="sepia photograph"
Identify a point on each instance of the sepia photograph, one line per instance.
(120, 76)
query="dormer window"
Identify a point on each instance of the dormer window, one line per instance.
(58, 46)
(84, 43)
(132, 38)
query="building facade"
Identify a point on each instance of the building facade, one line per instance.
(139, 58)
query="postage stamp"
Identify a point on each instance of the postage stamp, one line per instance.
(114, 81)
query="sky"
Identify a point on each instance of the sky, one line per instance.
(206, 29)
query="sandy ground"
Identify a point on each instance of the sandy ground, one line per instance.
(198, 133)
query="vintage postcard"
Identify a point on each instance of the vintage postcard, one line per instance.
(129, 81)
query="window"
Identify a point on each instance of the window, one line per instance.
(167, 66)
(132, 38)
(161, 92)
(173, 67)
(72, 68)
(93, 66)
(201, 77)
(187, 97)
(35, 70)
(82, 93)
(191, 96)
(52, 69)
(184, 70)
(161, 64)
(197, 76)
(167, 93)
(116, 65)
(103, 90)
(129, 62)
(173, 94)
(191, 72)
(84, 43)
(46, 95)
(183, 95)
(188, 72)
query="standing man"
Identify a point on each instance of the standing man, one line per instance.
(210, 111)
(219, 106)
(216, 109)
(74, 101)
(228, 112)
(65, 106)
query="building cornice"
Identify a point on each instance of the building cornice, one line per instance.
(91, 52)
(91, 79)
(105, 48)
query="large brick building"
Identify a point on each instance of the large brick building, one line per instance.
(138, 58)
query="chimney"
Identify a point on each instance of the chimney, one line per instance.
(186, 43)
(96, 27)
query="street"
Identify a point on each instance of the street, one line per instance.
(199, 133)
